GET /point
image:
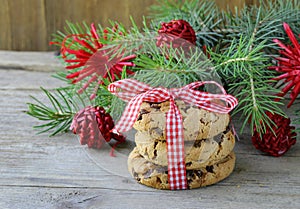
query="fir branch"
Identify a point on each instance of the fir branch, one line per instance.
(228, 62)
(65, 102)
(59, 115)
(255, 99)
(104, 98)
(289, 10)
(117, 108)
(243, 68)
(70, 28)
(258, 26)
(172, 68)
(61, 75)
(263, 23)
(203, 16)
(160, 66)
(136, 39)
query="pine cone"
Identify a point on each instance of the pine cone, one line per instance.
(94, 125)
(279, 143)
(174, 31)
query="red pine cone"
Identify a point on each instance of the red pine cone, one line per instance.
(278, 144)
(174, 31)
(94, 125)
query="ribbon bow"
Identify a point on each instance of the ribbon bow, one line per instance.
(135, 92)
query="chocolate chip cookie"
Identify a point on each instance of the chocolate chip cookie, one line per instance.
(156, 176)
(197, 154)
(197, 123)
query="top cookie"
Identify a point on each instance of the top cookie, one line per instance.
(197, 123)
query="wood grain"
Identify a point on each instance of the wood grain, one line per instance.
(41, 172)
(28, 24)
(5, 25)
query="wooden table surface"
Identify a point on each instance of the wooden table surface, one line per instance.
(42, 172)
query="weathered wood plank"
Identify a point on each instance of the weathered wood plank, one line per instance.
(41, 172)
(5, 25)
(210, 197)
(27, 24)
(35, 61)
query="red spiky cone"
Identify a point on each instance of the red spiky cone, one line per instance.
(178, 33)
(278, 138)
(93, 125)
(176, 29)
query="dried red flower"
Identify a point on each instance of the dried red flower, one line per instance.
(97, 64)
(93, 125)
(174, 31)
(278, 139)
(289, 65)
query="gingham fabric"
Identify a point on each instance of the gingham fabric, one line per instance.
(135, 92)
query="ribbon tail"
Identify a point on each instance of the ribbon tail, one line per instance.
(175, 148)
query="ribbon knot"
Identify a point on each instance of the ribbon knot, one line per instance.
(135, 92)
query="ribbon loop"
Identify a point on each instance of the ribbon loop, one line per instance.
(135, 92)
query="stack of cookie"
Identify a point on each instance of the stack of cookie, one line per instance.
(209, 144)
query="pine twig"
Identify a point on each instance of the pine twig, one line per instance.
(244, 70)
(58, 116)
(204, 16)
(172, 68)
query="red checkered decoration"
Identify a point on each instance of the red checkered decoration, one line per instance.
(135, 92)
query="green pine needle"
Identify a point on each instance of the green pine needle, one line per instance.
(57, 116)
(172, 68)
(263, 23)
(204, 16)
(297, 120)
(245, 74)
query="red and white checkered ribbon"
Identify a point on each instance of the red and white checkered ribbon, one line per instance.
(135, 92)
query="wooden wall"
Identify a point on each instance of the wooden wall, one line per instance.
(28, 24)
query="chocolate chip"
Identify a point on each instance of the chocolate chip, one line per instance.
(197, 143)
(228, 128)
(155, 105)
(155, 154)
(158, 180)
(210, 169)
(135, 174)
(155, 144)
(139, 117)
(203, 121)
(188, 164)
(198, 173)
(141, 113)
(193, 175)
(155, 150)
